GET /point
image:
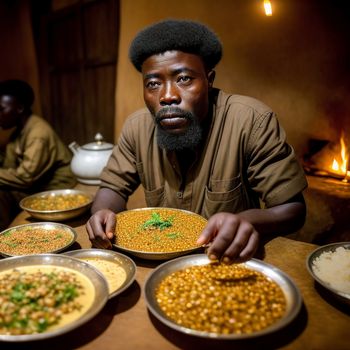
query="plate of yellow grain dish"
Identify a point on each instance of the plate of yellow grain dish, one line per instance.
(36, 238)
(47, 295)
(207, 299)
(57, 205)
(329, 265)
(118, 269)
(158, 233)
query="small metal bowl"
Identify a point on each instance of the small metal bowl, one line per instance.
(59, 261)
(310, 264)
(119, 259)
(8, 244)
(56, 215)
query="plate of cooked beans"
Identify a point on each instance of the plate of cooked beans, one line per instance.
(158, 233)
(208, 299)
(57, 205)
(36, 238)
(47, 295)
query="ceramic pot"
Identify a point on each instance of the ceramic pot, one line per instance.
(89, 160)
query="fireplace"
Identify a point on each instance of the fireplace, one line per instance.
(328, 195)
(328, 159)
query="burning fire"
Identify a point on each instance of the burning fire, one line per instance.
(268, 7)
(341, 167)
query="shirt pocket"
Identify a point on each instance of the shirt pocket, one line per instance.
(155, 198)
(223, 196)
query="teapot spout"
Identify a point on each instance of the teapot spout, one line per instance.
(73, 146)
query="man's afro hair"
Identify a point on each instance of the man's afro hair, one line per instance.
(19, 89)
(183, 35)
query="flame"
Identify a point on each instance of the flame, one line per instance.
(342, 166)
(267, 8)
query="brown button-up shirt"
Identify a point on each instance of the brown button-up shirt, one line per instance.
(36, 159)
(245, 161)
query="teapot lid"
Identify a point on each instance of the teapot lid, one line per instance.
(98, 145)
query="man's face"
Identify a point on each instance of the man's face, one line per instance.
(176, 92)
(10, 112)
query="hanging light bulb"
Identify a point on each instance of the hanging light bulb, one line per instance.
(268, 8)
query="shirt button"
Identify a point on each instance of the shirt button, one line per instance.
(179, 194)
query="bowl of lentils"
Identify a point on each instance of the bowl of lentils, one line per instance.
(36, 238)
(57, 205)
(158, 233)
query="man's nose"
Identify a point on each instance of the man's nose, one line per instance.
(169, 95)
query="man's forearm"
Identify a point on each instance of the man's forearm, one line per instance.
(108, 199)
(282, 219)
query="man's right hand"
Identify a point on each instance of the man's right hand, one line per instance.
(101, 228)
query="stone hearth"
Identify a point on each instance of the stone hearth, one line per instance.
(328, 211)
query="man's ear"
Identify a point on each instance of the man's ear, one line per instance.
(211, 77)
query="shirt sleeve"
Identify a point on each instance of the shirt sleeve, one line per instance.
(274, 171)
(31, 165)
(121, 171)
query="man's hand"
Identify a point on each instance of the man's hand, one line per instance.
(231, 238)
(101, 228)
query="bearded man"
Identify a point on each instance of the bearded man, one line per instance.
(195, 147)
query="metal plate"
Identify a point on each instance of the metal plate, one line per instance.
(158, 255)
(290, 290)
(56, 215)
(119, 259)
(43, 225)
(98, 281)
(310, 266)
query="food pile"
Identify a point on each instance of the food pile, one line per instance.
(56, 202)
(223, 299)
(160, 230)
(33, 240)
(333, 267)
(112, 271)
(31, 302)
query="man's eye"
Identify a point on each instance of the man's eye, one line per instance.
(152, 84)
(184, 79)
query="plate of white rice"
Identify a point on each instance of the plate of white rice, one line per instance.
(329, 265)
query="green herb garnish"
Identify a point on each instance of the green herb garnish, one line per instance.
(157, 222)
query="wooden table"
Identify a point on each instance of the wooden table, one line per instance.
(125, 323)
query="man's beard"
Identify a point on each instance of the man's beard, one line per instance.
(177, 142)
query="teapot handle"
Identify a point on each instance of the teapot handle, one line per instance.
(73, 146)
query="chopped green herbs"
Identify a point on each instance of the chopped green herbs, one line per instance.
(157, 222)
(32, 302)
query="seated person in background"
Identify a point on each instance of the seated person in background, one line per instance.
(34, 158)
(198, 148)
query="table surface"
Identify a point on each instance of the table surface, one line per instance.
(125, 323)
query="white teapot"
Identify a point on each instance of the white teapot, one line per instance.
(89, 160)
